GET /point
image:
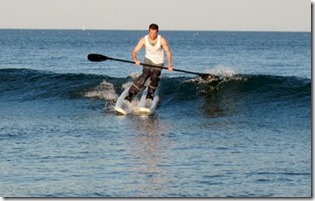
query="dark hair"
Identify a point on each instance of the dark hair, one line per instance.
(154, 27)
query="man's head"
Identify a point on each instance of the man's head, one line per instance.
(154, 27)
(153, 30)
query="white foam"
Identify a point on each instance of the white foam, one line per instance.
(103, 91)
(134, 75)
(222, 71)
(126, 85)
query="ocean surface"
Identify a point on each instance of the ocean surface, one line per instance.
(247, 134)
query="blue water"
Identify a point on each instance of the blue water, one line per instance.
(245, 135)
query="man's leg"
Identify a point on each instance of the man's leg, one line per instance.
(138, 83)
(154, 81)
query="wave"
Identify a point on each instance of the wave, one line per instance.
(28, 85)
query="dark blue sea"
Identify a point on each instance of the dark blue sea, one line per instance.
(247, 134)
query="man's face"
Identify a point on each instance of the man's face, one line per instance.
(153, 34)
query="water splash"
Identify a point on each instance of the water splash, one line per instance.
(223, 71)
(134, 75)
(126, 85)
(104, 90)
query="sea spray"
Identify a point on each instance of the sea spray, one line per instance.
(104, 90)
(224, 74)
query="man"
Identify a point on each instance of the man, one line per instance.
(155, 45)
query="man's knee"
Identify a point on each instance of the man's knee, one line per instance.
(155, 75)
(139, 82)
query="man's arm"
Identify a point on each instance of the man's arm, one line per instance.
(168, 53)
(136, 50)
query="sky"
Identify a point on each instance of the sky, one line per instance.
(212, 15)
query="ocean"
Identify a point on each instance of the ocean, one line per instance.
(245, 135)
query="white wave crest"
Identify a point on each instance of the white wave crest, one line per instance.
(222, 71)
(103, 91)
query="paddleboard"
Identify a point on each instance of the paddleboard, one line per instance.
(123, 106)
(148, 106)
(142, 106)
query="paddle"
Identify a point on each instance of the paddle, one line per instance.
(99, 58)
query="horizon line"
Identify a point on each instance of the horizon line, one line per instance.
(188, 30)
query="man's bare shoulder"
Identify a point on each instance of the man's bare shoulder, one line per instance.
(163, 41)
(142, 40)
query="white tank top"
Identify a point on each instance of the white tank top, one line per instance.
(154, 53)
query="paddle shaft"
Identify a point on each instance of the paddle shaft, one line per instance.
(100, 57)
(154, 66)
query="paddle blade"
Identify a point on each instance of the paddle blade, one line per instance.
(97, 57)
